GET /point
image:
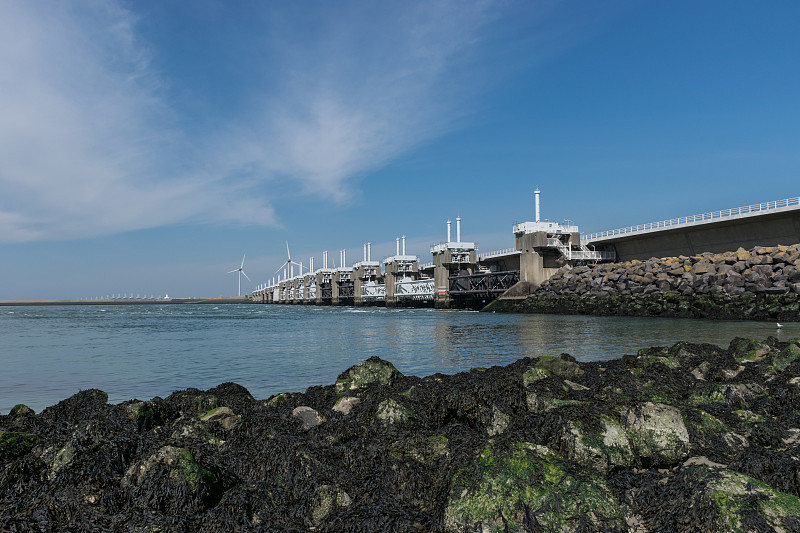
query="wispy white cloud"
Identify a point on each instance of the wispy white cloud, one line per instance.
(374, 81)
(87, 143)
(90, 144)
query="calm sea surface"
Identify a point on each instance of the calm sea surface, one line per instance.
(50, 353)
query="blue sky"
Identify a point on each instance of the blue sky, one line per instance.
(146, 146)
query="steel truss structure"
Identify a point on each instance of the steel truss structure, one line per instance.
(488, 283)
(327, 291)
(374, 292)
(421, 289)
(346, 290)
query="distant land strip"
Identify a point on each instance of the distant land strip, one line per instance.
(131, 301)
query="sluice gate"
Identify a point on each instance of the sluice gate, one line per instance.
(488, 284)
(459, 277)
(456, 277)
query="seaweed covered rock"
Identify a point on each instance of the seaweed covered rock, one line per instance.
(223, 416)
(703, 496)
(171, 481)
(308, 417)
(14, 444)
(691, 437)
(528, 487)
(657, 434)
(758, 284)
(373, 370)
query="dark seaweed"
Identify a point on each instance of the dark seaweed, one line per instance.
(140, 466)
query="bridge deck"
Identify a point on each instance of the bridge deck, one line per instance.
(766, 208)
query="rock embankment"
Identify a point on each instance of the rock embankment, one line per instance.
(758, 284)
(687, 438)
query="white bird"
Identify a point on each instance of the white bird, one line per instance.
(779, 325)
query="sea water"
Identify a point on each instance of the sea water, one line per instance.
(48, 353)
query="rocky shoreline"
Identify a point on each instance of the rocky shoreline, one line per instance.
(686, 438)
(758, 284)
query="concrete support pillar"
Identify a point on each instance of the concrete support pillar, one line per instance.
(445, 265)
(364, 273)
(335, 289)
(320, 277)
(537, 263)
(397, 270)
(389, 278)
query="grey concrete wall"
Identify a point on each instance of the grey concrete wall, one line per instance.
(536, 262)
(763, 230)
(502, 263)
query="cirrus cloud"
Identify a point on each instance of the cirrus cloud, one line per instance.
(92, 141)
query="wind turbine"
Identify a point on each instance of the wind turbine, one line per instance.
(288, 262)
(240, 270)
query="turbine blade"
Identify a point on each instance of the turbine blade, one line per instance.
(245, 275)
(232, 271)
(243, 261)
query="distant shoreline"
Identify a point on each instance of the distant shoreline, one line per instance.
(131, 301)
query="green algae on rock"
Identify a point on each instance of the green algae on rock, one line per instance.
(391, 411)
(691, 437)
(14, 444)
(373, 370)
(525, 488)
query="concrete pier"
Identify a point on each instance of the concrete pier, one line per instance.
(366, 277)
(451, 259)
(458, 276)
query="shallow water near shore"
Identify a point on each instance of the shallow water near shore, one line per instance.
(50, 353)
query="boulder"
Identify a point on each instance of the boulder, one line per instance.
(599, 451)
(373, 370)
(393, 412)
(224, 416)
(500, 422)
(14, 444)
(657, 434)
(563, 366)
(786, 357)
(505, 487)
(346, 404)
(738, 497)
(21, 410)
(308, 416)
(171, 480)
(328, 499)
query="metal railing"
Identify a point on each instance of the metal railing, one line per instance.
(693, 219)
(439, 247)
(581, 254)
(546, 226)
(423, 266)
(498, 253)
